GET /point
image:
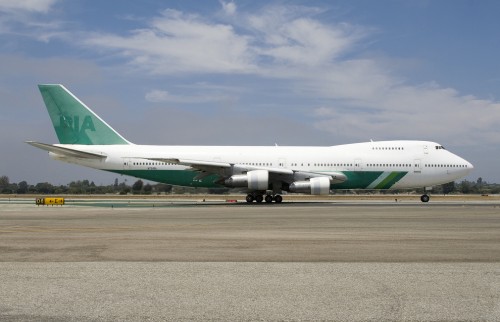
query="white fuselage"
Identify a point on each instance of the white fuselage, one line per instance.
(369, 165)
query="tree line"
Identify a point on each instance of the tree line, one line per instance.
(89, 187)
(463, 187)
(139, 187)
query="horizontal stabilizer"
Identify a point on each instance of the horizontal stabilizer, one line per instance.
(67, 152)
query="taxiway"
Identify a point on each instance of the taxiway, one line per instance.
(135, 260)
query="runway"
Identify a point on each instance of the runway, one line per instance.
(186, 260)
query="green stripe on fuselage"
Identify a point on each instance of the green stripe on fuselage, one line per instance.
(358, 179)
(391, 180)
(355, 179)
(386, 183)
(174, 177)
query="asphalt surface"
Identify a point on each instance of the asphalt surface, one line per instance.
(142, 260)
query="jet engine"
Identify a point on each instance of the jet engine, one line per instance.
(315, 186)
(253, 180)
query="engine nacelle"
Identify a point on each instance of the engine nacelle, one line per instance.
(315, 186)
(253, 180)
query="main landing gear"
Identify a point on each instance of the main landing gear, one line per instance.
(258, 197)
(425, 198)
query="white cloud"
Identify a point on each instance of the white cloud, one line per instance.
(360, 96)
(288, 36)
(157, 96)
(315, 59)
(426, 111)
(177, 42)
(161, 96)
(30, 19)
(42, 6)
(229, 8)
(47, 70)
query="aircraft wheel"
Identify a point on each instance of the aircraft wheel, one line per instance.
(269, 198)
(249, 198)
(278, 199)
(259, 198)
(424, 198)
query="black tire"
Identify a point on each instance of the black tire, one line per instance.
(424, 198)
(268, 198)
(259, 198)
(249, 198)
(278, 199)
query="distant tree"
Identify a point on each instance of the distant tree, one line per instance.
(180, 190)
(22, 187)
(465, 187)
(148, 189)
(61, 189)
(31, 189)
(44, 187)
(12, 188)
(4, 182)
(76, 187)
(448, 187)
(124, 190)
(92, 189)
(162, 187)
(137, 186)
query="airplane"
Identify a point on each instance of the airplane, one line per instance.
(265, 172)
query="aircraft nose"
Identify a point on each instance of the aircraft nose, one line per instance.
(468, 165)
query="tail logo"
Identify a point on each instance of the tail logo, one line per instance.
(74, 123)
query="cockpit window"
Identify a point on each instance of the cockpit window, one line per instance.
(440, 147)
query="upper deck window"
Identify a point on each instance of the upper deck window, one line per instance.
(388, 148)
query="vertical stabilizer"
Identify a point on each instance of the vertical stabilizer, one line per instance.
(74, 122)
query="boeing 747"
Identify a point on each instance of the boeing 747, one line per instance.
(264, 171)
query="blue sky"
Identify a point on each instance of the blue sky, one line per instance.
(253, 73)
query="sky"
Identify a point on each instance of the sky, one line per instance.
(253, 73)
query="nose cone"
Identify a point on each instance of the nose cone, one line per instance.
(461, 167)
(467, 166)
(470, 167)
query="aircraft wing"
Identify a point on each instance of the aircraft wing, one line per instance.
(194, 163)
(67, 152)
(225, 169)
(216, 166)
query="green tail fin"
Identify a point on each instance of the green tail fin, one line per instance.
(74, 122)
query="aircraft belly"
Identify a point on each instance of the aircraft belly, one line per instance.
(355, 179)
(174, 177)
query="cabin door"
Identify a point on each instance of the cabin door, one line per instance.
(126, 163)
(358, 166)
(282, 163)
(417, 166)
